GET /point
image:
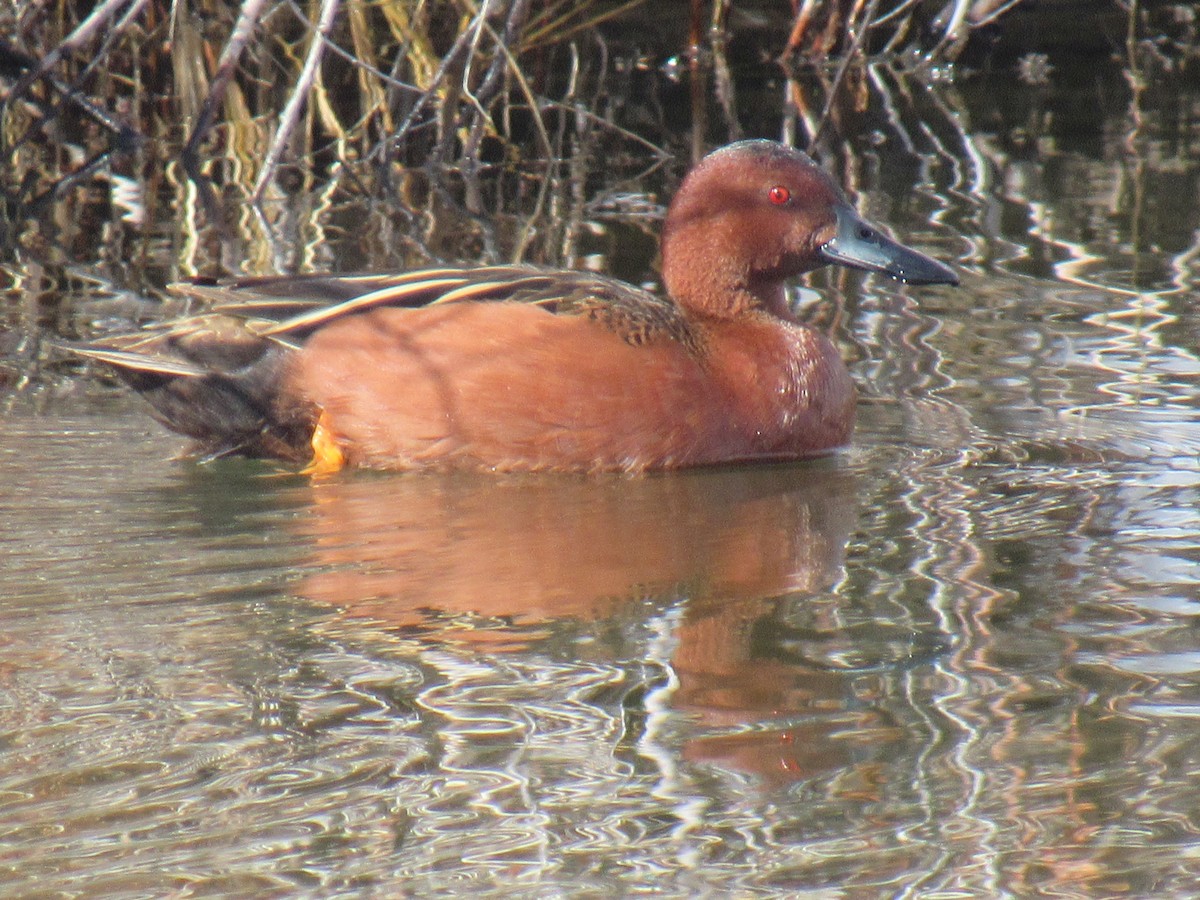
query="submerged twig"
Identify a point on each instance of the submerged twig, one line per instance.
(491, 80)
(13, 61)
(339, 51)
(723, 82)
(660, 153)
(291, 112)
(127, 137)
(849, 56)
(102, 56)
(247, 22)
(451, 60)
(558, 31)
(83, 33)
(543, 135)
(953, 32)
(984, 16)
(803, 17)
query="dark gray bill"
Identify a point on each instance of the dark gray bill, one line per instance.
(860, 245)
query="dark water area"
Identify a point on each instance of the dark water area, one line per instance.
(959, 659)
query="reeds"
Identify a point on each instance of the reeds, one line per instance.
(268, 99)
(145, 141)
(333, 82)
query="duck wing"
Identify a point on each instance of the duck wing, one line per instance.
(289, 308)
(215, 376)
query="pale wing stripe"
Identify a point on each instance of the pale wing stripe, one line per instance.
(161, 365)
(250, 302)
(366, 301)
(212, 294)
(467, 291)
(236, 296)
(398, 279)
(474, 290)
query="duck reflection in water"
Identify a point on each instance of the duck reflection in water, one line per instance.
(425, 554)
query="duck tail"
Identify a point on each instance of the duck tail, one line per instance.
(217, 382)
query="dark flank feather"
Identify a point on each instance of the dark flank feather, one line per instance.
(212, 379)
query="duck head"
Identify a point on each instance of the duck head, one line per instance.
(755, 213)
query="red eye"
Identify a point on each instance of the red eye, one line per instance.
(779, 195)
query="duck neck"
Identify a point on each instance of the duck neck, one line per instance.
(705, 292)
(772, 297)
(708, 272)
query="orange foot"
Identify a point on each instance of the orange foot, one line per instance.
(328, 457)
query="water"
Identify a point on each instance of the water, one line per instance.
(959, 660)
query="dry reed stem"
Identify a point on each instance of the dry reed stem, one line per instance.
(557, 31)
(849, 56)
(298, 98)
(76, 40)
(372, 96)
(243, 31)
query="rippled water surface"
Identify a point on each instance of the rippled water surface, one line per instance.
(960, 660)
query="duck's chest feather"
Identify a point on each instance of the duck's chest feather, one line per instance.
(789, 395)
(513, 386)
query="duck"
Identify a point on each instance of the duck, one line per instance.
(523, 367)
